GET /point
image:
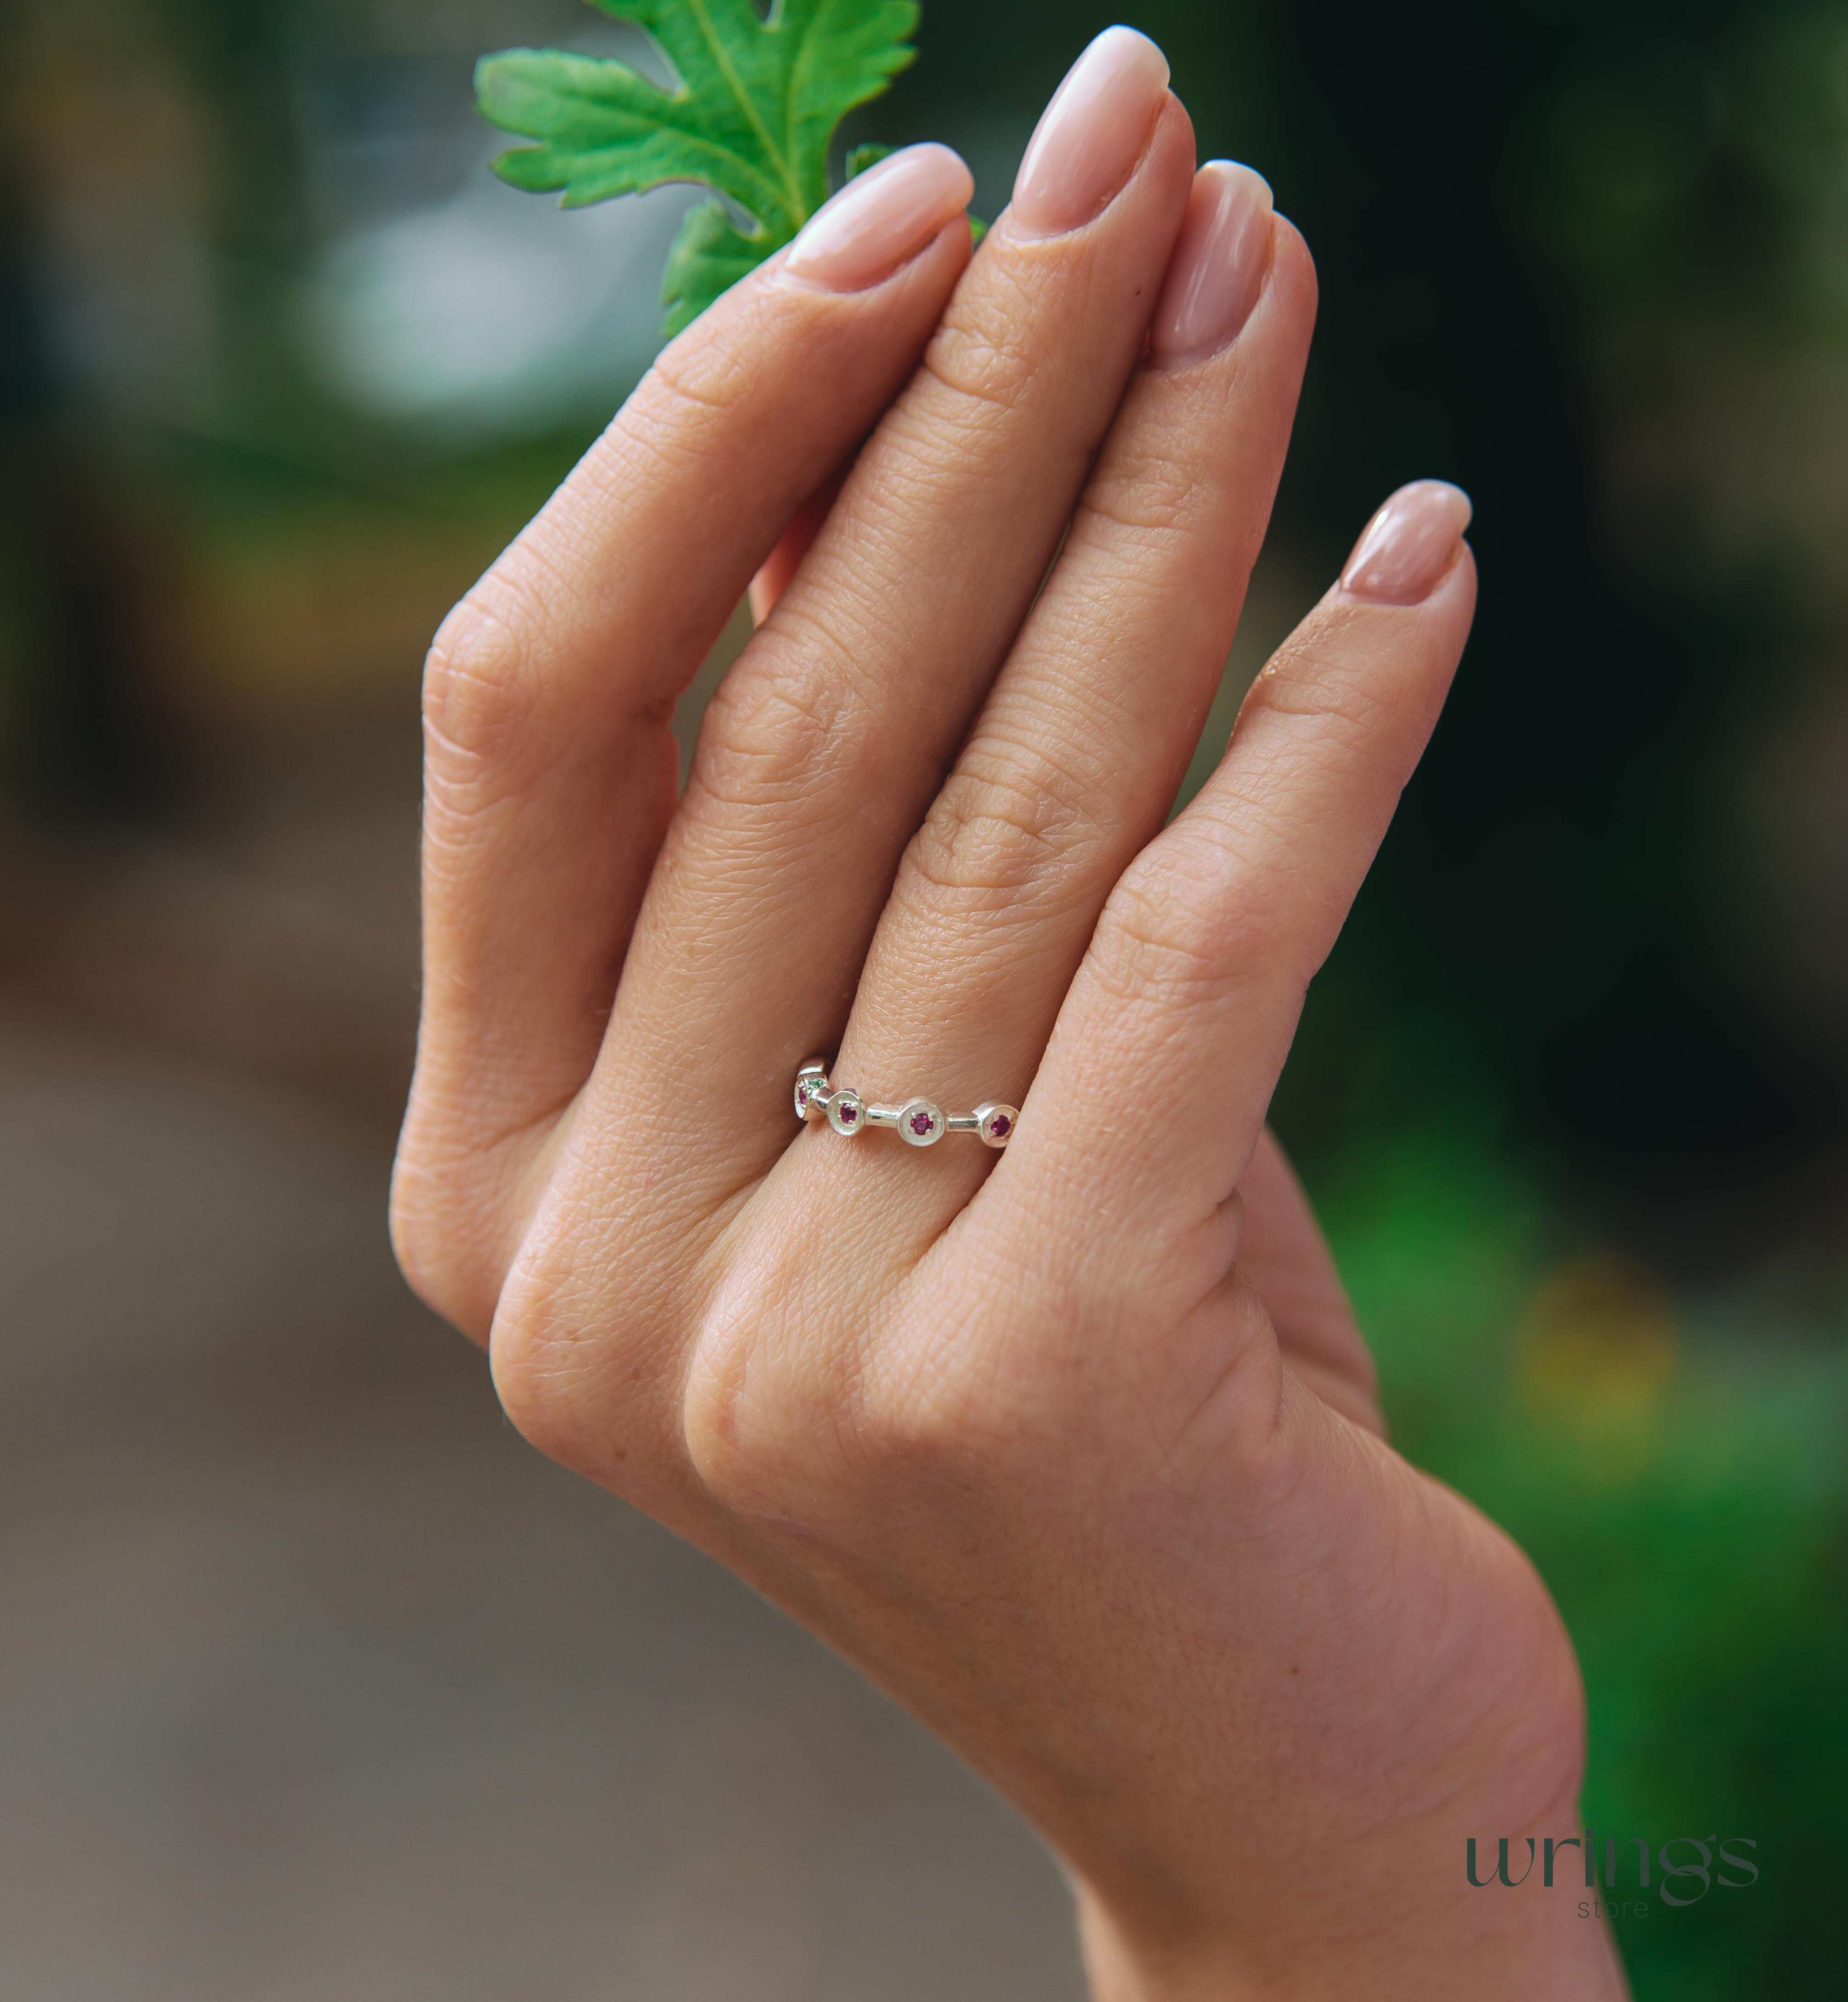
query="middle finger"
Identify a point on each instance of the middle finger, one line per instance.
(1078, 753)
(821, 753)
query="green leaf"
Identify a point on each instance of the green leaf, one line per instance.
(710, 254)
(866, 156)
(752, 117)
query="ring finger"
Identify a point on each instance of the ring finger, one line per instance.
(1078, 753)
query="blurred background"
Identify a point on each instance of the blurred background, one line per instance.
(314, 1681)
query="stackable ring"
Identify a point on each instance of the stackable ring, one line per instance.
(919, 1122)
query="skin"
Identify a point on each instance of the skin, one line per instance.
(1076, 1449)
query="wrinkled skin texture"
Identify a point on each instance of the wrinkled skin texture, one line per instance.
(1075, 1448)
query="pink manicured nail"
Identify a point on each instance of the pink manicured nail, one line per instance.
(1409, 544)
(879, 218)
(1219, 266)
(1091, 134)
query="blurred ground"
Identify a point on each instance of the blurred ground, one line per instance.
(316, 1680)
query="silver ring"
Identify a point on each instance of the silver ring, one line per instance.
(918, 1122)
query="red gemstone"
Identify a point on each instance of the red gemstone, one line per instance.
(848, 1114)
(920, 1123)
(1001, 1125)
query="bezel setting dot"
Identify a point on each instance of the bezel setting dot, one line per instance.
(811, 1080)
(996, 1124)
(847, 1113)
(920, 1123)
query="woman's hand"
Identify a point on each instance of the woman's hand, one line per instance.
(1075, 1447)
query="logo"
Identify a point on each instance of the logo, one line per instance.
(1686, 1868)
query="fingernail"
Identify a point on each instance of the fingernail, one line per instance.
(1219, 266)
(1091, 134)
(1409, 544)
(879, 218)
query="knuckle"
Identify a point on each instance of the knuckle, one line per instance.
(778, 727)
(1224, 1420)
(438, 1254)
(1165, 938)
(983, 354)
(684, 411)
(554, 1379)
(923, 1418)
(993, 834)
(787, 1415)
(539, 1397)
(742, 1440)
(1313, 677)
(708, 377)
(478, 686)
(727, 360)
(418, 1243)
(1151, 496)
(759, 1401)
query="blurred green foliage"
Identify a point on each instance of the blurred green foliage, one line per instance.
(1677, 1476)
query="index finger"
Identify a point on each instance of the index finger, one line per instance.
(550, 769)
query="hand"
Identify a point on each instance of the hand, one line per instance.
(1074, 1448)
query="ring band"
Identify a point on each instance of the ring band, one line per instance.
(919, 1122)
